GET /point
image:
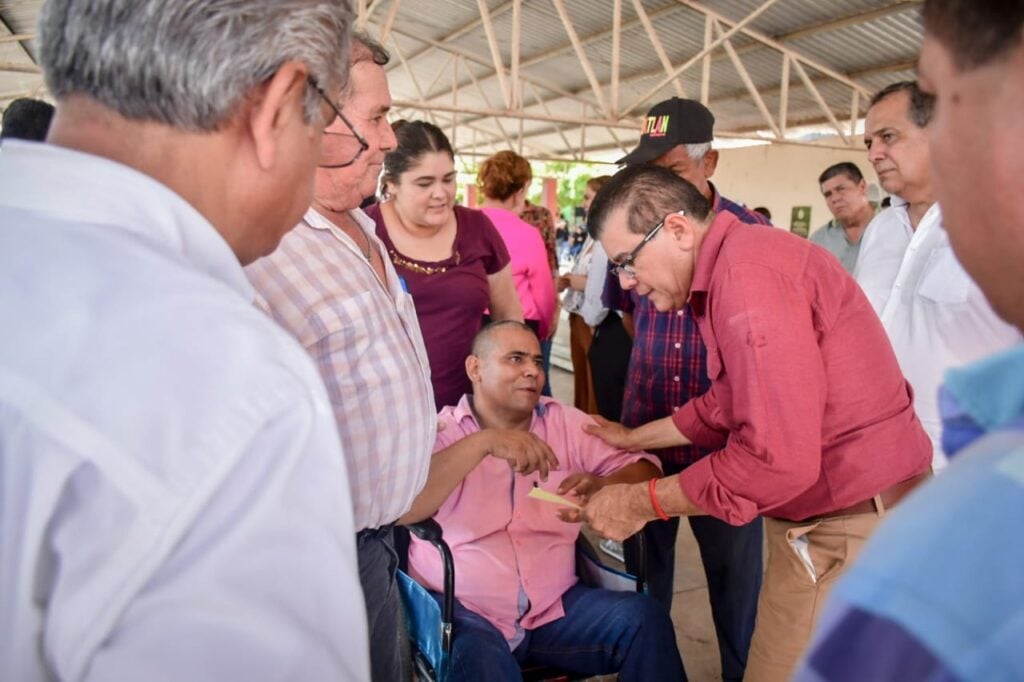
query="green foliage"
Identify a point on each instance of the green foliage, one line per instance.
(572, 181)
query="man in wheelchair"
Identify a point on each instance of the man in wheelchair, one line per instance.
(518, 599)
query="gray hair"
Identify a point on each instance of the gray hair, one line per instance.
(922, 104)
(697, 151)
(366, 49)
(189, 63)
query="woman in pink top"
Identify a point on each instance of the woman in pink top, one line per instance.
(504, 179)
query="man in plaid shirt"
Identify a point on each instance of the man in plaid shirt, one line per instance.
(667, 368)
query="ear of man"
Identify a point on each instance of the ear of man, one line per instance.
(274, 107)
(473, 368)
(710, 163)
(682, 230)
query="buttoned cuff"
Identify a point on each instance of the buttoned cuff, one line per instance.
(700, 486)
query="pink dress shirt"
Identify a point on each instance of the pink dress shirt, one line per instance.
(504, 541)
(530, 270)
(807, 403)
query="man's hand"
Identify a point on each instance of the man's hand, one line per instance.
(619, 510)
(613, 433)
(582, 486)
(523, 451)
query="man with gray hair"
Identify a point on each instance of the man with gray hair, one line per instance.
(173, 495)
(935, 315)
(331, 284)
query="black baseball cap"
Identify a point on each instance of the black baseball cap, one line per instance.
(672, 122)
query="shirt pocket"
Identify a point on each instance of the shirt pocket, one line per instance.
(944, 280)
(342, 324)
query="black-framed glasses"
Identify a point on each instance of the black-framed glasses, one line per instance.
(339, 155)
(625, 266)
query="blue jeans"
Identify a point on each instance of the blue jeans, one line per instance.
(602, 632)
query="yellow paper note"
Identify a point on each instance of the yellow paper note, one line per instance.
(544, 495)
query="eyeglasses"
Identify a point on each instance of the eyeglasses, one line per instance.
(347, 151)
(625, 266)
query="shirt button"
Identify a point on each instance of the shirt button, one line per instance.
(679, 345)
(676, 379)
(679, 313)
(675, 409)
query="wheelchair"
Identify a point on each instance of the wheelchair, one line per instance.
(430, 625)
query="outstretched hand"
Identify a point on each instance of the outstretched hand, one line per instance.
(619, 510)
(613, 433)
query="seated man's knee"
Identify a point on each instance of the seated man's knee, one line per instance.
(642, 616)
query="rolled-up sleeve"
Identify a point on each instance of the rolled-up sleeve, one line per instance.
(701, 421)
(767, 398)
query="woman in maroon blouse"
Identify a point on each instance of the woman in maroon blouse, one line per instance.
(450, 258)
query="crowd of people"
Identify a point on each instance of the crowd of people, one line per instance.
(252, 334)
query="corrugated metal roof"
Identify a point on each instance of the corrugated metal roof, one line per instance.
(443, 43)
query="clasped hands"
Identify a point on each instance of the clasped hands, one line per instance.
(615, 511)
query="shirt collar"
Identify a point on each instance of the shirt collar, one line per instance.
(72, 186)
(984, 396)
(932, 216)
(716, 198)
(464, 409)
(319, 221)
(710, 248)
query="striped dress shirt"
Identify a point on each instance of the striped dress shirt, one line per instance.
(365, 339)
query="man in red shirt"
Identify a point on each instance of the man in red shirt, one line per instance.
(812, 422)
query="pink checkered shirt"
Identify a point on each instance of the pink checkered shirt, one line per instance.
(365, 339)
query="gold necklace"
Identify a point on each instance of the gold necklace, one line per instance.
(422, 269)
(403, 262)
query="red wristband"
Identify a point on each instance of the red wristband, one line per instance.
(654, 501)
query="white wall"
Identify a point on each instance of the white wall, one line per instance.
(783, 176)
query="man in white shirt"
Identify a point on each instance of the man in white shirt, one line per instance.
(173, 496)
(935, 315)
(331, 284)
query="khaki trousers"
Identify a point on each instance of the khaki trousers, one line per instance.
(804, 561)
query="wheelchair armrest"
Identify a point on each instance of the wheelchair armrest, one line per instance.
(427, 529)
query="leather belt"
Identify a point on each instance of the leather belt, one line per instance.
(890, 496)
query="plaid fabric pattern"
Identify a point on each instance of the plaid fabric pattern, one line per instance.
(540, 217)
(668, 365)
(364, 336)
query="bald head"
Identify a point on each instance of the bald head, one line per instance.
(483, 342)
